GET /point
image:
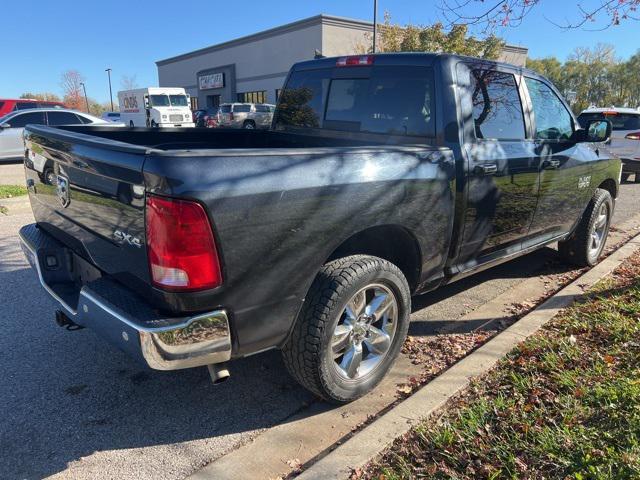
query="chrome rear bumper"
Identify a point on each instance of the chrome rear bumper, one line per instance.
(160, 342)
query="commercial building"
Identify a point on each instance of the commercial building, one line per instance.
(253, 68)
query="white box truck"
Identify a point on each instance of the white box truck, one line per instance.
(155, 107)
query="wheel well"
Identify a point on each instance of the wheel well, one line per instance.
(391, 242)
(611, 186)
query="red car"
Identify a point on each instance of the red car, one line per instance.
(8, 105)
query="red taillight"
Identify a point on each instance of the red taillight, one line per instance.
(182, 251)
(633, 136)
(231, 116)
(355, 60)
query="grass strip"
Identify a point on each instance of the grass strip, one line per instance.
(9, 191)
(565, 404)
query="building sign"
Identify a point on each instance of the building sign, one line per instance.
(213, 80)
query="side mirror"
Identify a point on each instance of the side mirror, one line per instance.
(598, 131)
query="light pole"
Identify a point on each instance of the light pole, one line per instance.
(375, 23)
(84, 88)
(108, 70)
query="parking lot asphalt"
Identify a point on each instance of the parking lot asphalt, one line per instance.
(75, 407)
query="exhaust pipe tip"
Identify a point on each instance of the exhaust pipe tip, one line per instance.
(219, 373)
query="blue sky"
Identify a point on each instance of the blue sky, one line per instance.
(43, 38)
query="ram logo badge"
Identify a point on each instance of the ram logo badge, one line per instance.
(62, 191)
(124, 237)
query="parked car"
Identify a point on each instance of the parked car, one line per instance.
(111, 117)
(384, 176)
(245, 115)
(625, 138)
(202, 117)
(8, 105)
(12, 126)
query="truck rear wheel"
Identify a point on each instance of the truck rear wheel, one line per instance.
(350, 329)
(585, 246)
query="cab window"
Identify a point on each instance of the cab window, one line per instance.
(552, 120)
(497, 109)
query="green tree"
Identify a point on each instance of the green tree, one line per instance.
(596, 75)
(434, 38)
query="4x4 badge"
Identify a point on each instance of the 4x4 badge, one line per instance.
(62, 191)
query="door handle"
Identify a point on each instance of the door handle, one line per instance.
(486, 169)
(551, 164)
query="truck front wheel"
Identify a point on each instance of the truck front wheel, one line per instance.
(585, 246)
(350, 329)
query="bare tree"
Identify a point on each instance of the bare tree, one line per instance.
(128, 82)
(510, 13)
(71, 84)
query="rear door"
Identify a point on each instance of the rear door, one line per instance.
(502, 188)
(565, 166)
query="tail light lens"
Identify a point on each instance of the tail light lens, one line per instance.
(181, 249)
(633, 136)
(231, 116)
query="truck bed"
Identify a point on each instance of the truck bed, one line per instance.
(206, 138)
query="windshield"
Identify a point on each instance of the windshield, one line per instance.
(178, 100)
(159, 100)
(619, 121)
(391, 100)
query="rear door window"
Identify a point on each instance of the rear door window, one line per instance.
(19, 121)
(497, 109)
(392, 100)
(63, 118)
(241, 108)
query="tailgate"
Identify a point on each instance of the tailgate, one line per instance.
(88, 192)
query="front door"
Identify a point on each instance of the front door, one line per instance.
(502, 176)
(565, 166)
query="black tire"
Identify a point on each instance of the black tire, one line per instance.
(131, 124)
(306, 353)
(48, 176)
(625, 177)
(154, 124)
(579, 248)
(249, 125)
(636, 178)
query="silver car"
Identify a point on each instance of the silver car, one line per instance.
(245, 115)
(12, 126)
(625, 135)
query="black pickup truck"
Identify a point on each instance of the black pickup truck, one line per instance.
(383, 176)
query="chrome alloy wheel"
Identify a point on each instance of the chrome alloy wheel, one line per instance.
(365, 331)
(599, 230)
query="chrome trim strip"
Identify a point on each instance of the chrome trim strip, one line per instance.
(36, 264)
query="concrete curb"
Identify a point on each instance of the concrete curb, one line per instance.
(375, 438)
